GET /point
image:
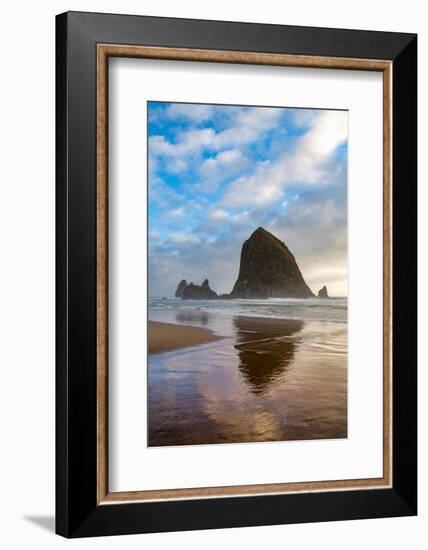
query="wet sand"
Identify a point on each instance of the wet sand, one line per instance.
(166, 336)
(265, 380)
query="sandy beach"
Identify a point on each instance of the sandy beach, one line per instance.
(167, 336)
(251, 379)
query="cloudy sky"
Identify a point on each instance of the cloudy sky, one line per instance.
(216, 173)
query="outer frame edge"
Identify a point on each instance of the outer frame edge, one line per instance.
(404, 242)
(120, 519)
(61, 266)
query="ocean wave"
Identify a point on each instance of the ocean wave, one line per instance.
(313, 309)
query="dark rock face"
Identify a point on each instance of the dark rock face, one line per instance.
(322, 293)
(268, 270)
(180, 288)
(195, 292)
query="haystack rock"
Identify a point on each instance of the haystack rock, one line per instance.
(322, 293)
(180, 288)
(268, 270)
(195, 292)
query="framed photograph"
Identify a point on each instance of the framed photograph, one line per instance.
(236, 274)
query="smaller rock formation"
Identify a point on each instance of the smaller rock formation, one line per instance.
(196, 292)
(180, 288)
(322, 293)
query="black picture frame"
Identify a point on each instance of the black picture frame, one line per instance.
(77, 511)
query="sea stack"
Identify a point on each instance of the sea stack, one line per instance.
(268, 270)
(195, 292)
(322, 293)
(180, 288)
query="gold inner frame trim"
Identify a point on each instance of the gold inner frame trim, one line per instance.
(104, 51)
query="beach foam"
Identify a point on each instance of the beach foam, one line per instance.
(309, 309)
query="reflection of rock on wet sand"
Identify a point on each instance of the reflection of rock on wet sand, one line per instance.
(268, 380)
(264, 349)
(199, 317)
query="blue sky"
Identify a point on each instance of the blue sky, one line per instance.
(218, 172)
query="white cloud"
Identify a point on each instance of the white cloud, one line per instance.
(162, 194)
(190, 111)
(225, 164)
(303, 117)
(304, 163)
(329, 130)
(261, 188)
(218, 214)
(229, 157)
(188, 143)
(176, 212)
(177, 166)
(183, 238)
(246, 127)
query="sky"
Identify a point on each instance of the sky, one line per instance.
(218, 172)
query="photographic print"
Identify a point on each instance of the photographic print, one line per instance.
(247, 274)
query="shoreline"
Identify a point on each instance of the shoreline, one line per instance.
(269, 380)
(164, 337)
(333, 310)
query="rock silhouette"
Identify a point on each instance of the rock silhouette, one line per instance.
(268, 270)
(180, 288)
(195, 292)
(322, 293)
(265, 350)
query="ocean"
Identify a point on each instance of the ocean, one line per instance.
(310, 309)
